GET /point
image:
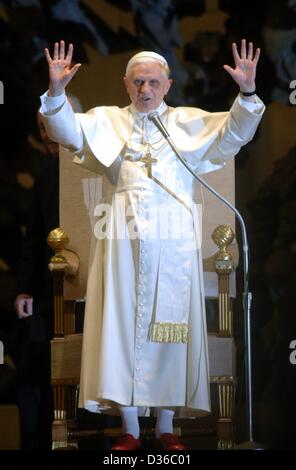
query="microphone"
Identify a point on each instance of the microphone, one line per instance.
(247, 296)
(154, 117)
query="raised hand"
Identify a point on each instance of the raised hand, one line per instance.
(60, 71)
(244, 73)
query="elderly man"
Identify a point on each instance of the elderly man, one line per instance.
(145, 338)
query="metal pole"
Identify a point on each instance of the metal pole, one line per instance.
(247, 296)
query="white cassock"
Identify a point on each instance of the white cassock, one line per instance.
(145, 335)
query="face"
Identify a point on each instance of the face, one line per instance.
(147, 84)
(52, 147)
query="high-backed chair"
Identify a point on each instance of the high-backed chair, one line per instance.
(80, 192)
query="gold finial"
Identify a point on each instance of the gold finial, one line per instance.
(57, 240)
(222, 236)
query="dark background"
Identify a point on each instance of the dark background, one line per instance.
(266, 169)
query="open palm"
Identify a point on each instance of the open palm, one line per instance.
(244, 73)
(60, 71)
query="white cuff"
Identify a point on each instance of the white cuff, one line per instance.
(250, 106)
(51, 104)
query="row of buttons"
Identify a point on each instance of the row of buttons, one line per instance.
(140, 309)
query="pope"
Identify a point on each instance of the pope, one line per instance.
(145, 336)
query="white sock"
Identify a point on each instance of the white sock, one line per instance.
(130, 421)
(164, 422)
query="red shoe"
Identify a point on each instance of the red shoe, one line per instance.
(170, 441)
(127, 442)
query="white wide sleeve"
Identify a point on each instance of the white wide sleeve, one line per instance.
(60, 121)
(208, 140)
(239, 129)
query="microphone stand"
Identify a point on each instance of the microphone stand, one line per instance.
(247, 296)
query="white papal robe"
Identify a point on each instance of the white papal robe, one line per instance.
(135, 280)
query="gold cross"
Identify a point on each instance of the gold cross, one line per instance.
(148, 160)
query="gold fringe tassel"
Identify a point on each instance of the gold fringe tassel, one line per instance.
(168, 332)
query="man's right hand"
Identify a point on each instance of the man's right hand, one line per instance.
(24, 305)
(60, 71)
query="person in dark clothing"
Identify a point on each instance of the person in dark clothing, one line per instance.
(34, 307)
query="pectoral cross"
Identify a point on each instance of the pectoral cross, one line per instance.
(148, 160)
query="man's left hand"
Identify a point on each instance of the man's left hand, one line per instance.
(244, 73)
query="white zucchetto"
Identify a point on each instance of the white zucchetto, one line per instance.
(145, 56)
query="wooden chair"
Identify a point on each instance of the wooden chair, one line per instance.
(69, 269)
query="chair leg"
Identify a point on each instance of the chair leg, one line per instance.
(65, 405)
(226, 393)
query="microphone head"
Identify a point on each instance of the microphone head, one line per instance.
(153, 115)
